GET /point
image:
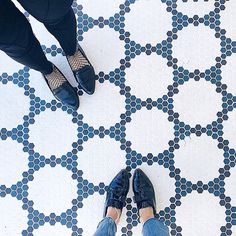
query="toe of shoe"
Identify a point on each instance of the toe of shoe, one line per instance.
(141, 180)
(73, 102)
(86, 78)
(68, 96)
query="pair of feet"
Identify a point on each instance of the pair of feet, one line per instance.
(84, 74)
(144, 195)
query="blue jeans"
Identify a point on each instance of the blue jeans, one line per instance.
(152, 227)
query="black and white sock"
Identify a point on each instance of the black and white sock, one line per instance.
(55, 79)
(77, 61)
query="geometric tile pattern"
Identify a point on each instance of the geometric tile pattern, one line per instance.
(23, 198)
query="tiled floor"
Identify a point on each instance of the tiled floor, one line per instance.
(165, 102)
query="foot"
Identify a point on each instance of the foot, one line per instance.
(144, 195)
(146, 214)
(116, 195)
(114, 213)
(82, 70)
(61, 88)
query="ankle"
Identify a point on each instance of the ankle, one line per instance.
(114, 213)
(146, 214)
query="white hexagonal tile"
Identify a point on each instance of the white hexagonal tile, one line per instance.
(97, 156)
(227, 19)
(148, 21)
(148, 76)
(199, 158)
(17, 4)
(100, 53)
(164, 186)
(39, 84)
(230, 184)
(13, 162)
(52, 190)
(40, 31)
(191, 8)
(14, 105)
(228, 73)
(192, 48)
(48, 230)
(137, 230)
(104, 8)
(230, 129)
(200, 214)
(104, 107)
(13, 218)
(234, 230)
(53, 133)
(92, 211)
(197, 102)
(149, 131)
(9, 66)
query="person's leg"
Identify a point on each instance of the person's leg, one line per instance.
(18, 41)
(59, 19)
(115, 201)
(107, 227)
(64, 30)
(153, 227)
(144, 196)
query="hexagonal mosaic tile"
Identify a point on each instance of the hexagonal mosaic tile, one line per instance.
(165, 102)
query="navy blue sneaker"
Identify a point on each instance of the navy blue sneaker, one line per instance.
(62, 89)
(117, 191)
(83, 70)
(144, 194)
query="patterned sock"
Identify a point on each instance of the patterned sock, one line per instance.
(77, 61)
(55, 79)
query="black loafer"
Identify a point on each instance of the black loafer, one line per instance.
(66, 94)
(144, 194)
(85, 76)
(117, 191)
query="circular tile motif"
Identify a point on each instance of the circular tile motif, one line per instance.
(149, 131)
(192, 51)
(197, 209)
(104, 107)
(97, 156)
(11, 209)
(195, 154)
(13, 97)
(112, 51)
(51, 131)
(146, 25)
(13, 162)
(148, 76)
(52, 190)
(197, 103)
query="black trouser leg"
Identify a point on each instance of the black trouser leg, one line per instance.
(18, 41)
(64, 30)
(59, 19)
